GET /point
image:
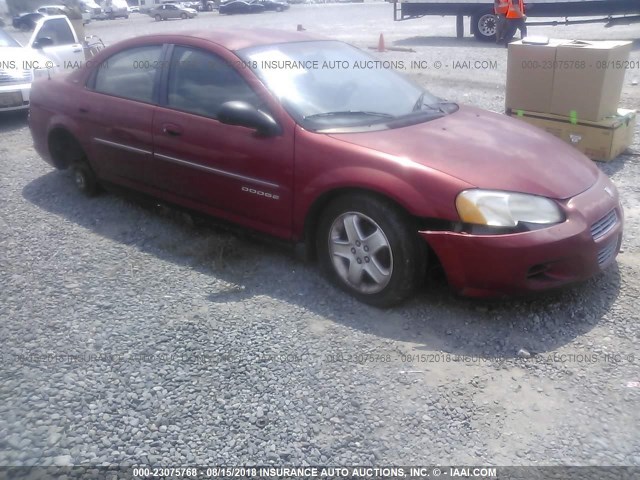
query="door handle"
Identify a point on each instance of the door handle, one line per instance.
(173, 130)
(78, 50)
(83, 110)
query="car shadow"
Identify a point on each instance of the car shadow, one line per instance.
(13, 120)
(250, 266)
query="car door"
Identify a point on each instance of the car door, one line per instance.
(62, 45)
(117, 109)
(230, 170)
(171, 11)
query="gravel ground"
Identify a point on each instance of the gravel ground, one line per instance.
(132, 335)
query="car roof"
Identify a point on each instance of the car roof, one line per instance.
(240, 38)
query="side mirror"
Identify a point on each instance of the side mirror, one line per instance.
(43, 42)
(245, 115)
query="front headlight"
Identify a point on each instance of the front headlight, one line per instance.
(506, 209)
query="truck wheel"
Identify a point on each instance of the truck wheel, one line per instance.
(483, 25)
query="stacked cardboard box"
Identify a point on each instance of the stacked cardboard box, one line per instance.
(572, 89)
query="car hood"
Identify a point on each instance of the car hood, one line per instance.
(487, 150)
(22, 54)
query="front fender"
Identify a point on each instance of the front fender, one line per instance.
(326, 165)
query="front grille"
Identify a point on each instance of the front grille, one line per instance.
(604, 225)
(13, 77)
(607, 253)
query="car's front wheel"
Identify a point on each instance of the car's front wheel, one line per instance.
(370, 248)
(184, 16)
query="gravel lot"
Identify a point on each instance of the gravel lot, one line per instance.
(132, 335)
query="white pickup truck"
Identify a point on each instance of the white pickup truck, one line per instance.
(483, 24)
(53, 47)
(56, 39)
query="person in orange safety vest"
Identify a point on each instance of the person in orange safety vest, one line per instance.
(500, 8)
(515, 20)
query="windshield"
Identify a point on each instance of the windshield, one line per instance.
(7, 40)
(329, 84)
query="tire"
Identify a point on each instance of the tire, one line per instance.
(158, 18)
(279, 9)
(183, 16)
(85, 179)
(210, 8)
(349, 229)
(483, 25)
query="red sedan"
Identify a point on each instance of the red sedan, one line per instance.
(316, 142)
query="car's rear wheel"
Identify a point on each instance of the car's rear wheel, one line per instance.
(85, 179)
(183, 16)
(279, 9)
(370, 248)
(158, 18)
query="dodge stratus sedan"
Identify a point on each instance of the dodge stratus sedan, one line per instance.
(314, 141)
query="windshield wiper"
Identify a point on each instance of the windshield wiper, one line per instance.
(349, 112)
(420, 103)
(442, 106)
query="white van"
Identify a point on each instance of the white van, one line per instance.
(115, 8)
(92, 8)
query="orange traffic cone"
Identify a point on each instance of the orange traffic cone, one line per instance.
(381, 44)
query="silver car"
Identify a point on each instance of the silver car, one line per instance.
(172, 10)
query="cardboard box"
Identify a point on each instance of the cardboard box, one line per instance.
(530, 75)
(593, 92)
(566, 76)
(603, 140)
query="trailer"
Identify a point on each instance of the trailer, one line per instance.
(483, 21)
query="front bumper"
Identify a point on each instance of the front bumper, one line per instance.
(577, 249)
(14, 97)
